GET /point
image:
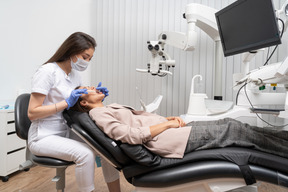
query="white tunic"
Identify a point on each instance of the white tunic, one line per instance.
(53, 82)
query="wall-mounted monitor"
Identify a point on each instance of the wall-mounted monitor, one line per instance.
(247, 25)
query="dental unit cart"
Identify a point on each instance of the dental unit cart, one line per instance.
(12, 148)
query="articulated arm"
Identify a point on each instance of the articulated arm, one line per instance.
(196, 15)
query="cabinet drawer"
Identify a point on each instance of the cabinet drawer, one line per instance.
(10, 127)
(10, 116)
(14, 160)
(9, 123)
(14, 142)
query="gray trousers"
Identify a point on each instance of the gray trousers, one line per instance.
(229, 132)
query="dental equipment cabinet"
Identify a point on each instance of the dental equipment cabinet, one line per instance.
(12, 148)
(249, 97)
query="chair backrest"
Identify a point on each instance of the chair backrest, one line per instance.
(98, 139)
(122, 153)
(22, 122)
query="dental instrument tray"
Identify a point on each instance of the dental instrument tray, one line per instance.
(142, 168)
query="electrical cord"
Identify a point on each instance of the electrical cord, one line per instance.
(239, 92)
(272, 53)
(268, 52)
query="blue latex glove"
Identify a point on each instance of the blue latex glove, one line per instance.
(75, 94)
(103, 90)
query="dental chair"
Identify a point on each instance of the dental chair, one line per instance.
(22, 125)
(211, 170)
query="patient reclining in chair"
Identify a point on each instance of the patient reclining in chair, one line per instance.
(170, 137)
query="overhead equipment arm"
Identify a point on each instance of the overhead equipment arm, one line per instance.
(196, 15)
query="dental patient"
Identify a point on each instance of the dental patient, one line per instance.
(170, 137)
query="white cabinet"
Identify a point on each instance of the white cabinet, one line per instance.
(12, 148)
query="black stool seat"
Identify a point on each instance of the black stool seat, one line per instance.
(50, 162)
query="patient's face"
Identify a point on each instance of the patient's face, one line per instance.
(93, 95)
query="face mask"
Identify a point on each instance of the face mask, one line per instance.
(79, 65)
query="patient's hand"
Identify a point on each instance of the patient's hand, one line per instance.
(178, 121)
(173, 122)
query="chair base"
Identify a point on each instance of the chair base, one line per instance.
(60, 179)
(26, 165)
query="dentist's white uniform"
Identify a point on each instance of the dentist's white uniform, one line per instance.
(51, 137)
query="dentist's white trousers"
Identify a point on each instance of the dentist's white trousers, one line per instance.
(78, 152)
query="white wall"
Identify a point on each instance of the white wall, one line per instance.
(31, 31)
(124, 27)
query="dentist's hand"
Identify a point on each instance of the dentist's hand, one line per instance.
(103, 90)
(75, 94)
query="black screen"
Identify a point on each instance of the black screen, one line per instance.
(247, 25)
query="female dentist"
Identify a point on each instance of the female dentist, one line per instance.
(53, 91)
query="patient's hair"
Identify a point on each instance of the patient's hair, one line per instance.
(77, 106)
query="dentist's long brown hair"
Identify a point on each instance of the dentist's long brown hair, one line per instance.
(75, 44)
